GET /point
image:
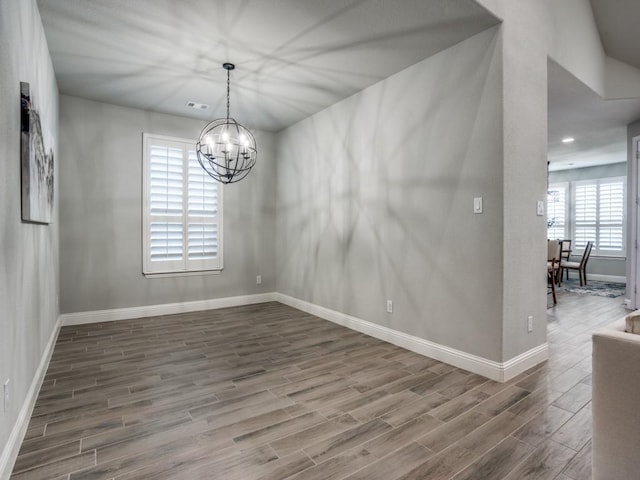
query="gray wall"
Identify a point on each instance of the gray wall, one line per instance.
(589, 173)
(524, 127)
(101, 213)
(375, 201)
(28, 252)
(596, 265)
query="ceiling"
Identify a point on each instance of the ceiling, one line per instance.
(293, 57)
(598, 126)
(297, 57)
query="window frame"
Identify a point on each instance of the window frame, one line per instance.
(185, 266)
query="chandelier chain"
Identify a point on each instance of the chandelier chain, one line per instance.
(228, 90)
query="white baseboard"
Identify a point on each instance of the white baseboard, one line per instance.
(523, 362)
(500, 372)
(97, 316)
(12, 447)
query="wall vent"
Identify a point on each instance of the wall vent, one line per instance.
(196, 105)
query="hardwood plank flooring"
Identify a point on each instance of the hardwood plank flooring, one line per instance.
(269, 392)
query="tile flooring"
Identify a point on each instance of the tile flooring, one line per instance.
(269, 392)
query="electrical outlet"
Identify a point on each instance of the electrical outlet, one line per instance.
(6, 395)
(389, 306)
(529, 324)
(258, 279)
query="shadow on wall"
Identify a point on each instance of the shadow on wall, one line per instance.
(380, 206)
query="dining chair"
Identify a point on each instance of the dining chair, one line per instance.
(553, 265)
(565, 254)
(580, 267)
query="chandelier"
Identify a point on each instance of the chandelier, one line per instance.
(226, 149)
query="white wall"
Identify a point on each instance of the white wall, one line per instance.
(375, 201)
(101, 213)
(567, 31)
(28, 252)
(574, 42)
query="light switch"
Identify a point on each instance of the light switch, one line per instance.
(540, 208)
(477, 205)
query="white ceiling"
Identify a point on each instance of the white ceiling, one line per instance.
(296, 57)
(598, 126)
(293, 57)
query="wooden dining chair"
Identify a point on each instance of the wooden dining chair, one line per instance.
(580, 267)
(565, 254)
(553, 266)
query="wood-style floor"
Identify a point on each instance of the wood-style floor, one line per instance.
(269, 392)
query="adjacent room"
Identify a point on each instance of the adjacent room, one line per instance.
(588, 185)
(294, 239)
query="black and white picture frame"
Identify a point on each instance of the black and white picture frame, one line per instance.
(36, 163)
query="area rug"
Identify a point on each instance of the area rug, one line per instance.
(601, 289)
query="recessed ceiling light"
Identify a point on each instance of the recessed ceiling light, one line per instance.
(568, 139)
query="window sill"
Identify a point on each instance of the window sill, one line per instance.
(182, 274)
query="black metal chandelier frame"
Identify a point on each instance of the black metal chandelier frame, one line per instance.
(226, 150)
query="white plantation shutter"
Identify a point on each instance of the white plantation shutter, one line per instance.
(585, 216)
(611, 213)
(166, 179)
(202, 216)
(202, 241)
(165, 197)
(182, 209)
(557, 211)
(166, 241)
(599, 215)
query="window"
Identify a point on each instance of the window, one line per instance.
(599, 215)
(557, 211)
(182, 209)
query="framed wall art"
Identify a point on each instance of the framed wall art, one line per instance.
(36, 162)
